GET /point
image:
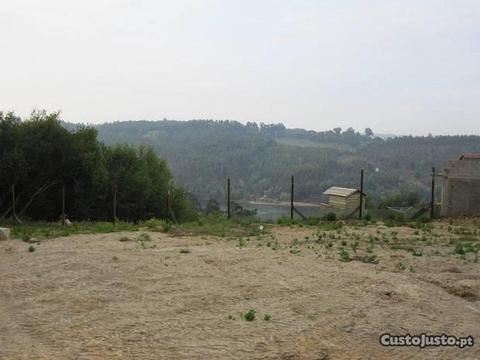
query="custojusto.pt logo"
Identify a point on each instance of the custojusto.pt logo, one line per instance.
(425, 340)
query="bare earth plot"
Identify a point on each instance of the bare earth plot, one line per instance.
(96, 297)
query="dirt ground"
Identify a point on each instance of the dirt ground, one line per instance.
(113, 296)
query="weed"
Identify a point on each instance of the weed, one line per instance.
(144, 237)
(184, 251)
(31, 248)
(400, 266)
(331, 216)
(417, 252)
(157, 225)
(267, 317)
(250, 315)
(462, 249)
(354, 245)
(26, 238)
(369, 259)
(344, 255)
(331, 226)
(53, 230)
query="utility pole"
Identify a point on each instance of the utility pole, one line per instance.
(14, 211)
(291, 198)
(168, 205)
(63, 205)
(432, 198)
(228, 199)
(361, 196)
(115, 204)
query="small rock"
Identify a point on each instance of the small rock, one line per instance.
(4, 234)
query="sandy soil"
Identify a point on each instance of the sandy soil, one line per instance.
(96, 297)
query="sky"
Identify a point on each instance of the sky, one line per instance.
(398, 67)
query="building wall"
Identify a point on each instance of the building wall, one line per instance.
(461, 188)
(460, 197)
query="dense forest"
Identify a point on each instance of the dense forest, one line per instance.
(39, 157)
(41, 154)
(260, 158)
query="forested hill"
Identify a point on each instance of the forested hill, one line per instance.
(261, 158)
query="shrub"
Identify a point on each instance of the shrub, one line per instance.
(459, 250)
(331, 216)
(250, 315)
(144, 237)
(417, 252)
(344, 255)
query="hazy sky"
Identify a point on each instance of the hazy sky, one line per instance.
(404, 66)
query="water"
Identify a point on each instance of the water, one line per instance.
(275, 211)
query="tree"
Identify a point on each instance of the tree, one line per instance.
(369, 132)
(40, 156)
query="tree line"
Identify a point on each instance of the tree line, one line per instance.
(39, 157)
(260, 158)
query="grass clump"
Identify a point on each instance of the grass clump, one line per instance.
(217, 225)
(250, 315)
(158, 225)
(53, 230)
(145, 240)
(267, 317)
(417, 252)
(369, 259)
(331, 216)
(344, 255)
(241, 243)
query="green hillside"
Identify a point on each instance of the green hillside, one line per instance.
(261, 158)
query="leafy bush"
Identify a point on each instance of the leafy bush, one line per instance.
(331, 216)
(417, 252)
(344, 255)
(250, 315)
